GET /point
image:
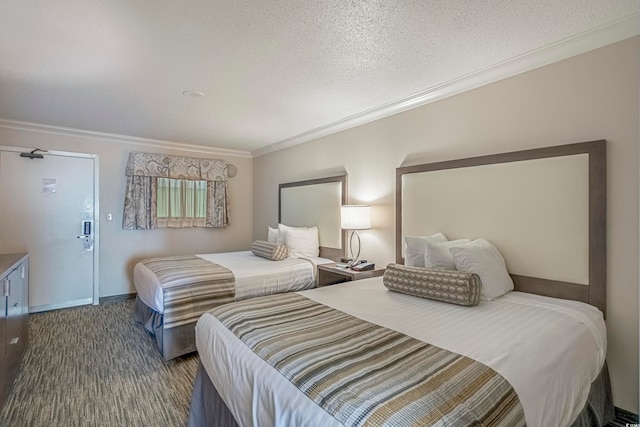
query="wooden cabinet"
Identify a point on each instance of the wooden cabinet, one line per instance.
(14, 317)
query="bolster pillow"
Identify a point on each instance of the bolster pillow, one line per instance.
(442, 285)
(269, 250)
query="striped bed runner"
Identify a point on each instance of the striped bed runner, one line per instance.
(191, 286)
(367, 375)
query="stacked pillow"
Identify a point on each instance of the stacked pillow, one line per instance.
(274, 236)
(415, 247)
(478, 257)
(482, 258)
(300, 241)
(437, 255)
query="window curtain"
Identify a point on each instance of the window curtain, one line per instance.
(143, 171)
(140, 203)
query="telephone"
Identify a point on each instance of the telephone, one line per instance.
(363, 265)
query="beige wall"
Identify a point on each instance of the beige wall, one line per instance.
(121, 249)
(588, 97)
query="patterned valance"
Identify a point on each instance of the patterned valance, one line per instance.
(175, 167)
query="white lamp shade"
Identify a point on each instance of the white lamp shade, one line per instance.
(355, 217)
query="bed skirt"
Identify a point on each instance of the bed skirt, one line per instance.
(209, 410)
(598, 411)
(207, 407)
(173, 342)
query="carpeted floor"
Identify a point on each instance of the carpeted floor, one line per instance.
(94, 366)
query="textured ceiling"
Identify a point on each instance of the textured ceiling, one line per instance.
(271, 70)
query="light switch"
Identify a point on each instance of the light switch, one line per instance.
(109, 216)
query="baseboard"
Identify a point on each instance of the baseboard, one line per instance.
(66, 304)
(117, 298)
(625, 417)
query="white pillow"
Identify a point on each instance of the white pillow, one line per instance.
(274, 236)
(416, 245)
(437, 255)
(482, 258)
(301, 240)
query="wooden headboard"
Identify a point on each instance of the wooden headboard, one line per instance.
(544, 209)
(316, 202)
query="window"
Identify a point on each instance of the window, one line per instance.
(181, 203)
(174, 191)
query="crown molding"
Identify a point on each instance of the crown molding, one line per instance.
(594, 39)
(121, 139)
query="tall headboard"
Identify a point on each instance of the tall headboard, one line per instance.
(544, 209)
(316, 202)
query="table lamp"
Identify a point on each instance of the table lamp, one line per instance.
(354, 218)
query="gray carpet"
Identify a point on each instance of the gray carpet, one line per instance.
(94, 366)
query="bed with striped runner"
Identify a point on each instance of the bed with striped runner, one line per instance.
(367, 375)
(191, 286)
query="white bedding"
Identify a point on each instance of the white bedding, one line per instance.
(549, 350)
(254, 276)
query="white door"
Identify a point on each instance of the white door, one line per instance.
(47, 208)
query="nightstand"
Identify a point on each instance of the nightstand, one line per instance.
(329, 274)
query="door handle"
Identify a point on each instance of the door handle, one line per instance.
(87, 242)
(14, 341)
(6, 287)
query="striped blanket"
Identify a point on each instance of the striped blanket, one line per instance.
(191, 286)
(367, 375)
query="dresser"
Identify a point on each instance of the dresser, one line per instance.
(14, 317)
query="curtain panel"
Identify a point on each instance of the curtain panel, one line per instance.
(143, 171)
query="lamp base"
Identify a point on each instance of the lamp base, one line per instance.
(355, 257)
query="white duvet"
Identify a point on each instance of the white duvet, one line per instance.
(550, 351)
(254, 276)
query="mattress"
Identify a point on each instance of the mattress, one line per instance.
(254, 276)
(549, 350)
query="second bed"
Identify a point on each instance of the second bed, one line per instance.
(195, 284)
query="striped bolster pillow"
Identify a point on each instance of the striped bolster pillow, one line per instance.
(454, 287)
(269, 250)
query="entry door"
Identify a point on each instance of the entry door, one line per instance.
(47, 209)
